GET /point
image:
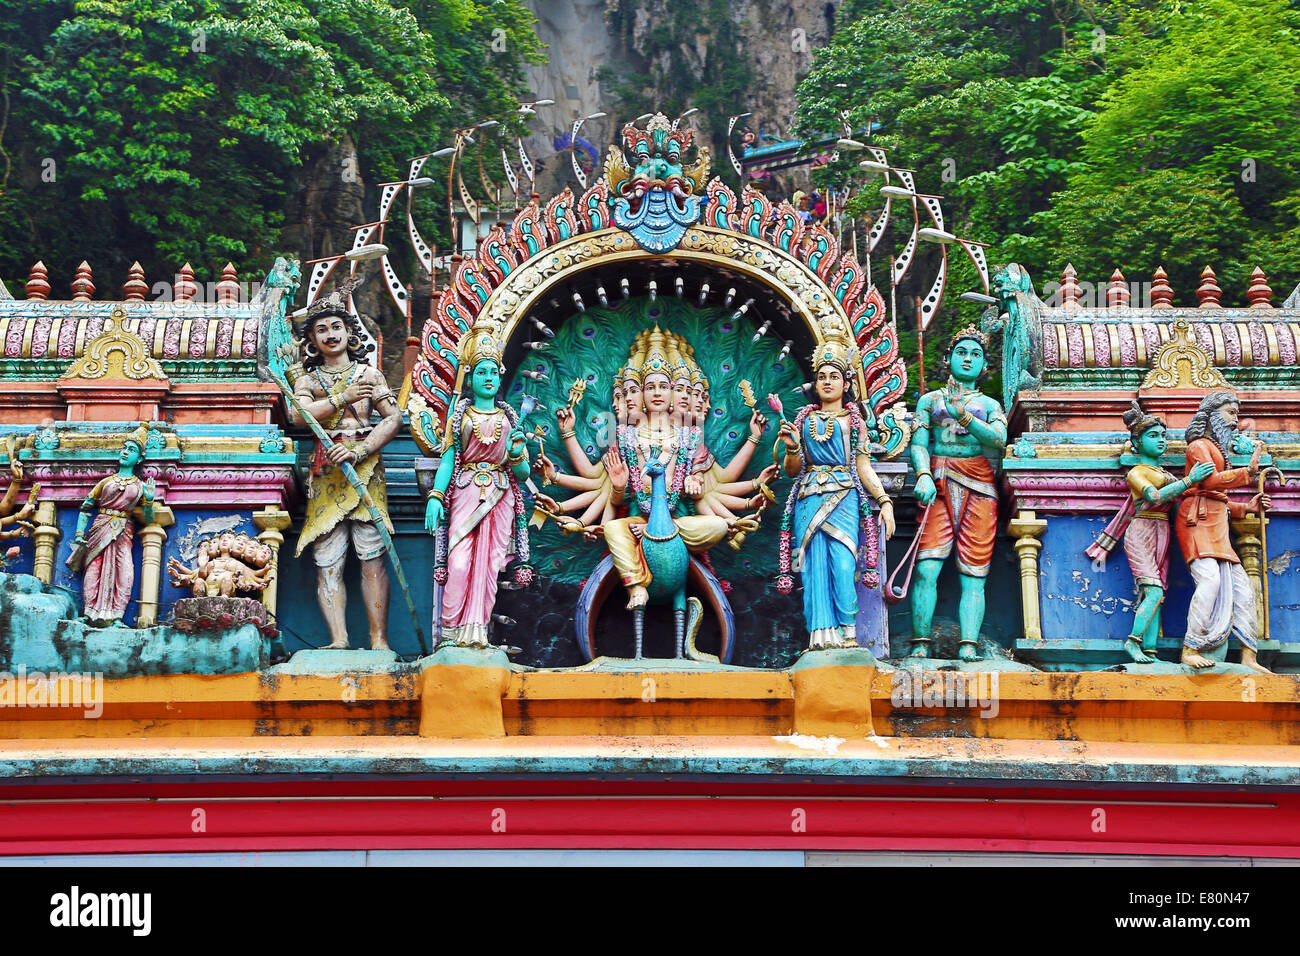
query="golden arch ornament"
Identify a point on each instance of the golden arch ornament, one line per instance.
(515, 268)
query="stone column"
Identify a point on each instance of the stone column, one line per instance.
(46, 538)
(271, 523)
(1246, 531)
(152, 537)
(1027, 528)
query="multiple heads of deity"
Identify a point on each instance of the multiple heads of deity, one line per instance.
(661, 379)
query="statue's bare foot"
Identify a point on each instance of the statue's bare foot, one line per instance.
(637, 531)
(968, 651)
(1134, 648)
(1248, 660)
(337, 645)
(379, 644)
(1192, 659)
(637, 596)
(920, 649)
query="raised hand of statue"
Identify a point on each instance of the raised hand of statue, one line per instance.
(357, 391)
(432, 515)
(518, 443)
(150, 491)
(1259, 504)
(757, 424)
(925, 490)
(788, 436)
(765, 476)
(617, 469)
(693, 485)
(565, 418)
(1200, 472)
(545, 467)
(1255, 455)
(15, 468)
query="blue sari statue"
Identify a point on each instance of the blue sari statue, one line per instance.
(827, 454)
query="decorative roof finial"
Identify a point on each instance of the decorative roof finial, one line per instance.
(1259, 293)
(185, 288)
(228, 287)
(1117, 293)
(83, 286)
(1070, 290)
(135, 288)
(1209, 292)
(38, 285)
(1162, 293)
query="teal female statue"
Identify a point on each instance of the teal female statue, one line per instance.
(827, 454)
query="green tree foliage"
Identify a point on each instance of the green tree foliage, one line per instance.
(174, 130)
(1129, 133)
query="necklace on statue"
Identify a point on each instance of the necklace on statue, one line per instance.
(476, 421)
(820, 419)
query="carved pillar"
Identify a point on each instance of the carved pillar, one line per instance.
(1027, 528)
(46, 538)
(152, 537)
(1246, 531)
(271, 524)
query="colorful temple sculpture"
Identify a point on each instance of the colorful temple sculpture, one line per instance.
(648, 510)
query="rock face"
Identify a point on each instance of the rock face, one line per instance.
(41, 632)
(775, 38)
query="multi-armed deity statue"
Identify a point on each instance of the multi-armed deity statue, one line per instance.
(338, 389)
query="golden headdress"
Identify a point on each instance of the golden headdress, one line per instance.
(837, 351)
(140, 437)
(970, 332)
(655, 360)
(479, 344)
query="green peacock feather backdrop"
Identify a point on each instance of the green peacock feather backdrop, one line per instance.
(593, 345)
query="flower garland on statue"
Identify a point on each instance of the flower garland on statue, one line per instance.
(523, 571)
(867, 519)
(629, 443)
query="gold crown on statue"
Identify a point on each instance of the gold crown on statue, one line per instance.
(837, 351)
(480, 344)
(970, 332)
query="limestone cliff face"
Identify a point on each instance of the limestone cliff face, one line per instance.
(669, 50)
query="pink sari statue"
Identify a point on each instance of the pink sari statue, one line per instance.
(476, 508)
(483, 502)
(110, 573)
(103, 554)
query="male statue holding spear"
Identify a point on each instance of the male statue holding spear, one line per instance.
(340, 390)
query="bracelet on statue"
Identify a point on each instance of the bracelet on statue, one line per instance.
(752, 438)
(965, 419)
(336, 400)
(924, 474)
(513, 460)
(883, 500)
(568, 434)
(435, 493)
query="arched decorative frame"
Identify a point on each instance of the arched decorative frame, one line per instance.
(516, 269)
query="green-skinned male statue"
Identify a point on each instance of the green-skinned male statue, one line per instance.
(957, 428)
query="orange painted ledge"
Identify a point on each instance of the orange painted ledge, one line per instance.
(850, 702)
